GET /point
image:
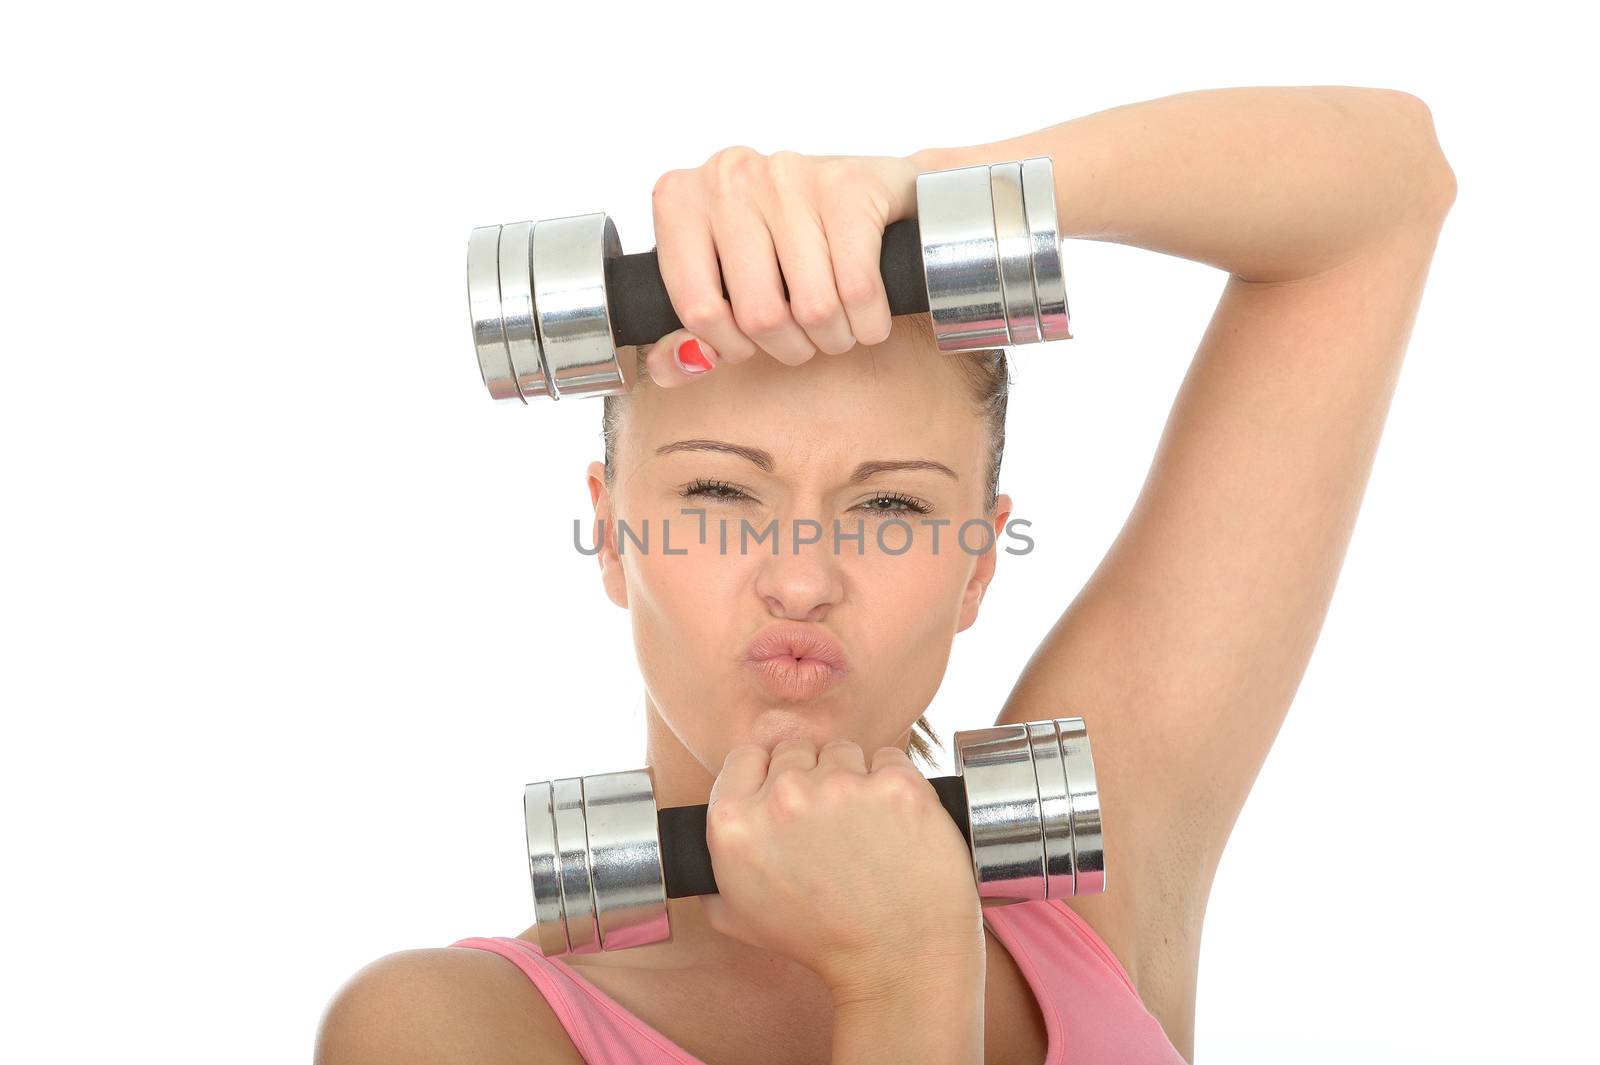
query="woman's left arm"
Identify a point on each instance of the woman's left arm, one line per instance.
(1323, 203)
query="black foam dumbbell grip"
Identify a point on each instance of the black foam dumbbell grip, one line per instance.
(641, 313)
(686, 861)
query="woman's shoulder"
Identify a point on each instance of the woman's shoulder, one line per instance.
(441, 1005)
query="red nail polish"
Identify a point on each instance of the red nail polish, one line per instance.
(692, 358)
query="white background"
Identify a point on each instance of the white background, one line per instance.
(290, 611)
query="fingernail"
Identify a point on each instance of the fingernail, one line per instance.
(694, 357)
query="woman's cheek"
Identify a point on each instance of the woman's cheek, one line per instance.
(928, 573)
(913, 601)
(682, 603)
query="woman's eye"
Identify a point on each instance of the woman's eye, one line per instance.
(723, 492)
(717, 490)
(896, 504)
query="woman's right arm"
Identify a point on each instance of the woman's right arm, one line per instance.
(1323, 204)
(441, 1006)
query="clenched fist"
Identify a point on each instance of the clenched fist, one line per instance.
(760, 223)
(856, 872)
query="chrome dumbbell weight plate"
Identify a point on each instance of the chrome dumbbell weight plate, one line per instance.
(983, 257)
(488, 315)
(540, 322)
(1034, 810)
(594, 857)
(991, 251)
(1088, 835)
(1025, 797)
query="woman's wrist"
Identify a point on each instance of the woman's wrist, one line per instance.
(931, 1019)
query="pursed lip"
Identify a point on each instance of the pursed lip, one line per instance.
(794, 640)
(796, 661)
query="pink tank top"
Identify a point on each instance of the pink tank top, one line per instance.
(1092, 1014)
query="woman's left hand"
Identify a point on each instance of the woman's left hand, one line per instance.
(744, 217)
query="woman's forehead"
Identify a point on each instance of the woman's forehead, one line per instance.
(831, 413)
(903, 396)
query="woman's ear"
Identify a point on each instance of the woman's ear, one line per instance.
(603, 535)
(983, 572)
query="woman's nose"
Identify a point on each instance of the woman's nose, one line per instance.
(803, 579)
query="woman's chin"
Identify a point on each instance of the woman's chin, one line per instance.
(775, 723)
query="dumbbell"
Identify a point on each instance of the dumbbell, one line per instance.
(603, 859)
(551, 301)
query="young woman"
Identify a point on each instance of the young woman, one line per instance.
(785, 688)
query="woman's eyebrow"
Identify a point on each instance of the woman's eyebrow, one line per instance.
(867, 469)
(764, 461)
(754, 454)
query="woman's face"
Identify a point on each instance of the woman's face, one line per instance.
(757, 443)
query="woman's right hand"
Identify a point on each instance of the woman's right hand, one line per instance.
(743, 217)
(857, 873)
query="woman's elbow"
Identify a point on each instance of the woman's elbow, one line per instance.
(1435, 179)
